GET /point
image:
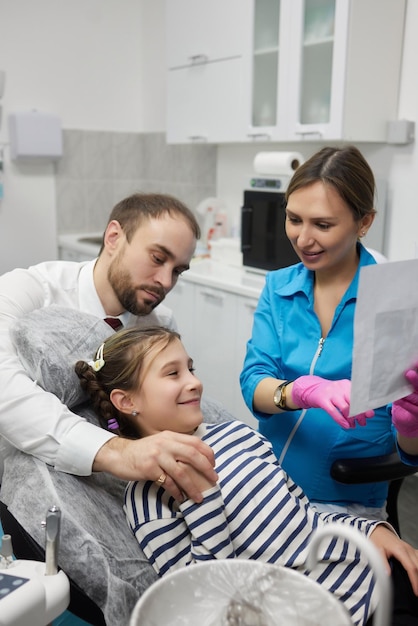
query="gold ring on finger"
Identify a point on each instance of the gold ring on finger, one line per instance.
(161, 479)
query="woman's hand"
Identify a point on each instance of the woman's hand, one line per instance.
(411, 376)
(181, 462)
(405, 415)
(333, 396)
(390, 545)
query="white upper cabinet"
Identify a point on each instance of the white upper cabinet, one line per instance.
(324, 69)
(267, 70)
(283, 70)
(205, 103)
(202, 31)
(206, 79)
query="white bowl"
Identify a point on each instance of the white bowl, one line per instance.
(237, 592)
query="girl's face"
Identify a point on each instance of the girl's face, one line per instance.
(169, 395)
(321, 227)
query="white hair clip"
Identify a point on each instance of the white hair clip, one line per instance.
(99, 361)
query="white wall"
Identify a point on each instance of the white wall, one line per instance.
(403, 241)
(97, 64)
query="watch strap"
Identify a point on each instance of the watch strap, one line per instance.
(279, 397)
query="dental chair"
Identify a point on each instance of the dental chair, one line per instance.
(385, 468)
(98, 553)
(85, 607)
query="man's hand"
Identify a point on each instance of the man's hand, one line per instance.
(166, 453)
(390, 545)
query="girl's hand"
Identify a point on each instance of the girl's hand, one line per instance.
(390, 545)
(178, 458)
(200, 481)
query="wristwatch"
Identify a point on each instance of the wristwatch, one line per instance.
(279, 397)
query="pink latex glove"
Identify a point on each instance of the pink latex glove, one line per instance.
(411, 376)
(309, 392)
(405, 415)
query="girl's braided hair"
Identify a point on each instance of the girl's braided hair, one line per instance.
(122, 368)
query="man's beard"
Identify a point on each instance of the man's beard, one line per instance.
(127, 294)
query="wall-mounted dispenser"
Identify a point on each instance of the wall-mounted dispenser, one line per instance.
(1, 173)
(35, 135)
(2, 83)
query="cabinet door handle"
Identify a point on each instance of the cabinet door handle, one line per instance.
(259, 136)
(213, 296)
(308, 132)
(196, 59)
(197, 138)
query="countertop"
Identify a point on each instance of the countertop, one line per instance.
(215, 274)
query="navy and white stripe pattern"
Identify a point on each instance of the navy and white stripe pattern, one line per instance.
(254, 512)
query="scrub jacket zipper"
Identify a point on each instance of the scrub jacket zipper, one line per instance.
(302, 415)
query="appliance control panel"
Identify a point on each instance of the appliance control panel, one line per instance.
(265, 183)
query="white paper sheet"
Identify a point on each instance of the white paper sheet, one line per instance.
(385, 334)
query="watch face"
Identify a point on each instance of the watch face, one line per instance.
(278, 395)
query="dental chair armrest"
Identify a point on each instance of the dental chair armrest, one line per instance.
(371, 469)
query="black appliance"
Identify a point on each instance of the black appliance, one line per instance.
(264, 244)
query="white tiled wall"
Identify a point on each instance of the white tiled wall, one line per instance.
(100, 168)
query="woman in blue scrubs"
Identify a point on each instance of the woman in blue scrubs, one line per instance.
(297, 370)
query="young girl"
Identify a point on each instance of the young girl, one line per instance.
(142, 382)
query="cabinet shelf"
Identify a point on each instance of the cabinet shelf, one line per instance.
(263, 51)
(318, 42)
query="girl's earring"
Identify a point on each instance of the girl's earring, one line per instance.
(134, 413)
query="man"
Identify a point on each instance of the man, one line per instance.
(147, 244)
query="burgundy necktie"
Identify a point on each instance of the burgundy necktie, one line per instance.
(114, 322)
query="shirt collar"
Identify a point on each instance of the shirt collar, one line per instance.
(88, 297)
(300, 279)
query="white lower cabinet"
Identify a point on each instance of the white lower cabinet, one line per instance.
(181, 302)
(215, 325)
(215, 318)
(244, 325)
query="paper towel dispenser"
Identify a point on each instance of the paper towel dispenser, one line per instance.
(34, 134)
(2, 82)
(264, 243)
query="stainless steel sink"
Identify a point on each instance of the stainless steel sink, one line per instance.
(97, 241)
